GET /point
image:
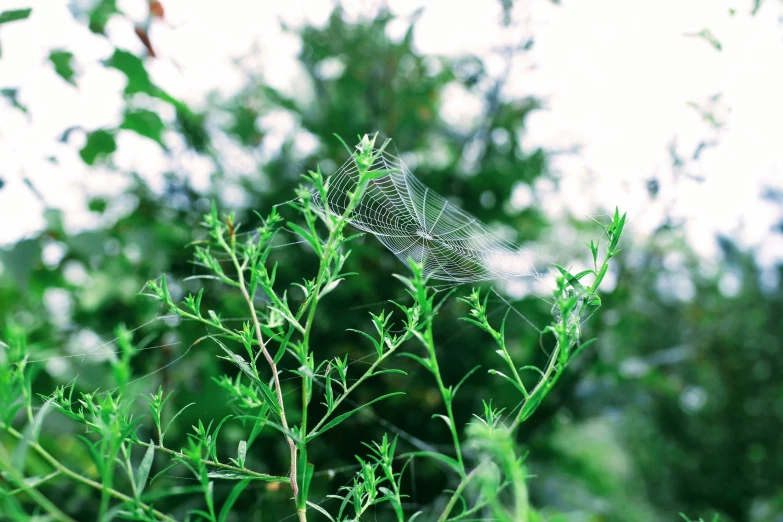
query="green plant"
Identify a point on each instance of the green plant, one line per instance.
(490, 474)
(715, 518)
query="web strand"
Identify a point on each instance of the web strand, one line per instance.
(414, 222)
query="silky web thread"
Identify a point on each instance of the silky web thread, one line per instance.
(415, 222)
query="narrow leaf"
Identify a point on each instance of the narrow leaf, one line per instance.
(266, 391)
(307, 236)
(443, 418)
(232, 498)
(340, 418)
(163, 471)
(143, 471)
(465, 378)
(163, 433)
(242, 451)
(331, 286)
(571, 279)
(449, 461)
(320, 510)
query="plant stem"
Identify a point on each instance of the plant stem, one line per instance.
(502, 342)
(84, 480)
(227, 467)
(457, 493)
(269, 360)
(441, 387)
(129, 468)
(565, 339)
(312, 304)
(30, 490)
(543, 382)
(351, 388)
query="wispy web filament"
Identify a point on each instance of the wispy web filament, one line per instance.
(415, 222)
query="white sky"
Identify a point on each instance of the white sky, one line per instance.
(617, 76)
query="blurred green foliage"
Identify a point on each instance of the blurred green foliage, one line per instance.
(677, 408)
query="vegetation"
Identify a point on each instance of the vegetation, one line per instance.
(278, 366)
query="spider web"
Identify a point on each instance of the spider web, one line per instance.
(415, 222)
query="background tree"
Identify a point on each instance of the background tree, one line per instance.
(677, 408)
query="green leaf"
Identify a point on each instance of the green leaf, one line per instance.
(30, 435)
(320, 510)
(583, 273)
(443, 418)
(330, 287)
(368, 336)
(340, 418)
(100, 14)
(389, 370)
(192, 126)
(231, 499)
(532, 368)
(415, 357)
(449, 461)
(100, 143)
(143, 471)
(266, 422)
(163, 433)
(465, 378)
(11, 95)
(239, 362)
(200, 512)
(164, 470)
(242, 451)
(14, 15)
(581, 347)
(307, 236)
(145, 123)
(573, 280)
(509, 379)
(305, 475)
(62, 65)
(133, 68)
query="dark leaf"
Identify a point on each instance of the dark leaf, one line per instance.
(192, 127)
(133, 68)
(232, 498)
(145, 123)
(62, 65)
(100, 15)
(99, 144)
(340, 418)
(11, 96)
(14, 15)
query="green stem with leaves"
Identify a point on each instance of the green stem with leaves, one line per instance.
(444, 392)
(30, 489)
(84, 480)
(364, 158)
(219, 465)
(240, 268)
(457, 494)
(369, 373)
